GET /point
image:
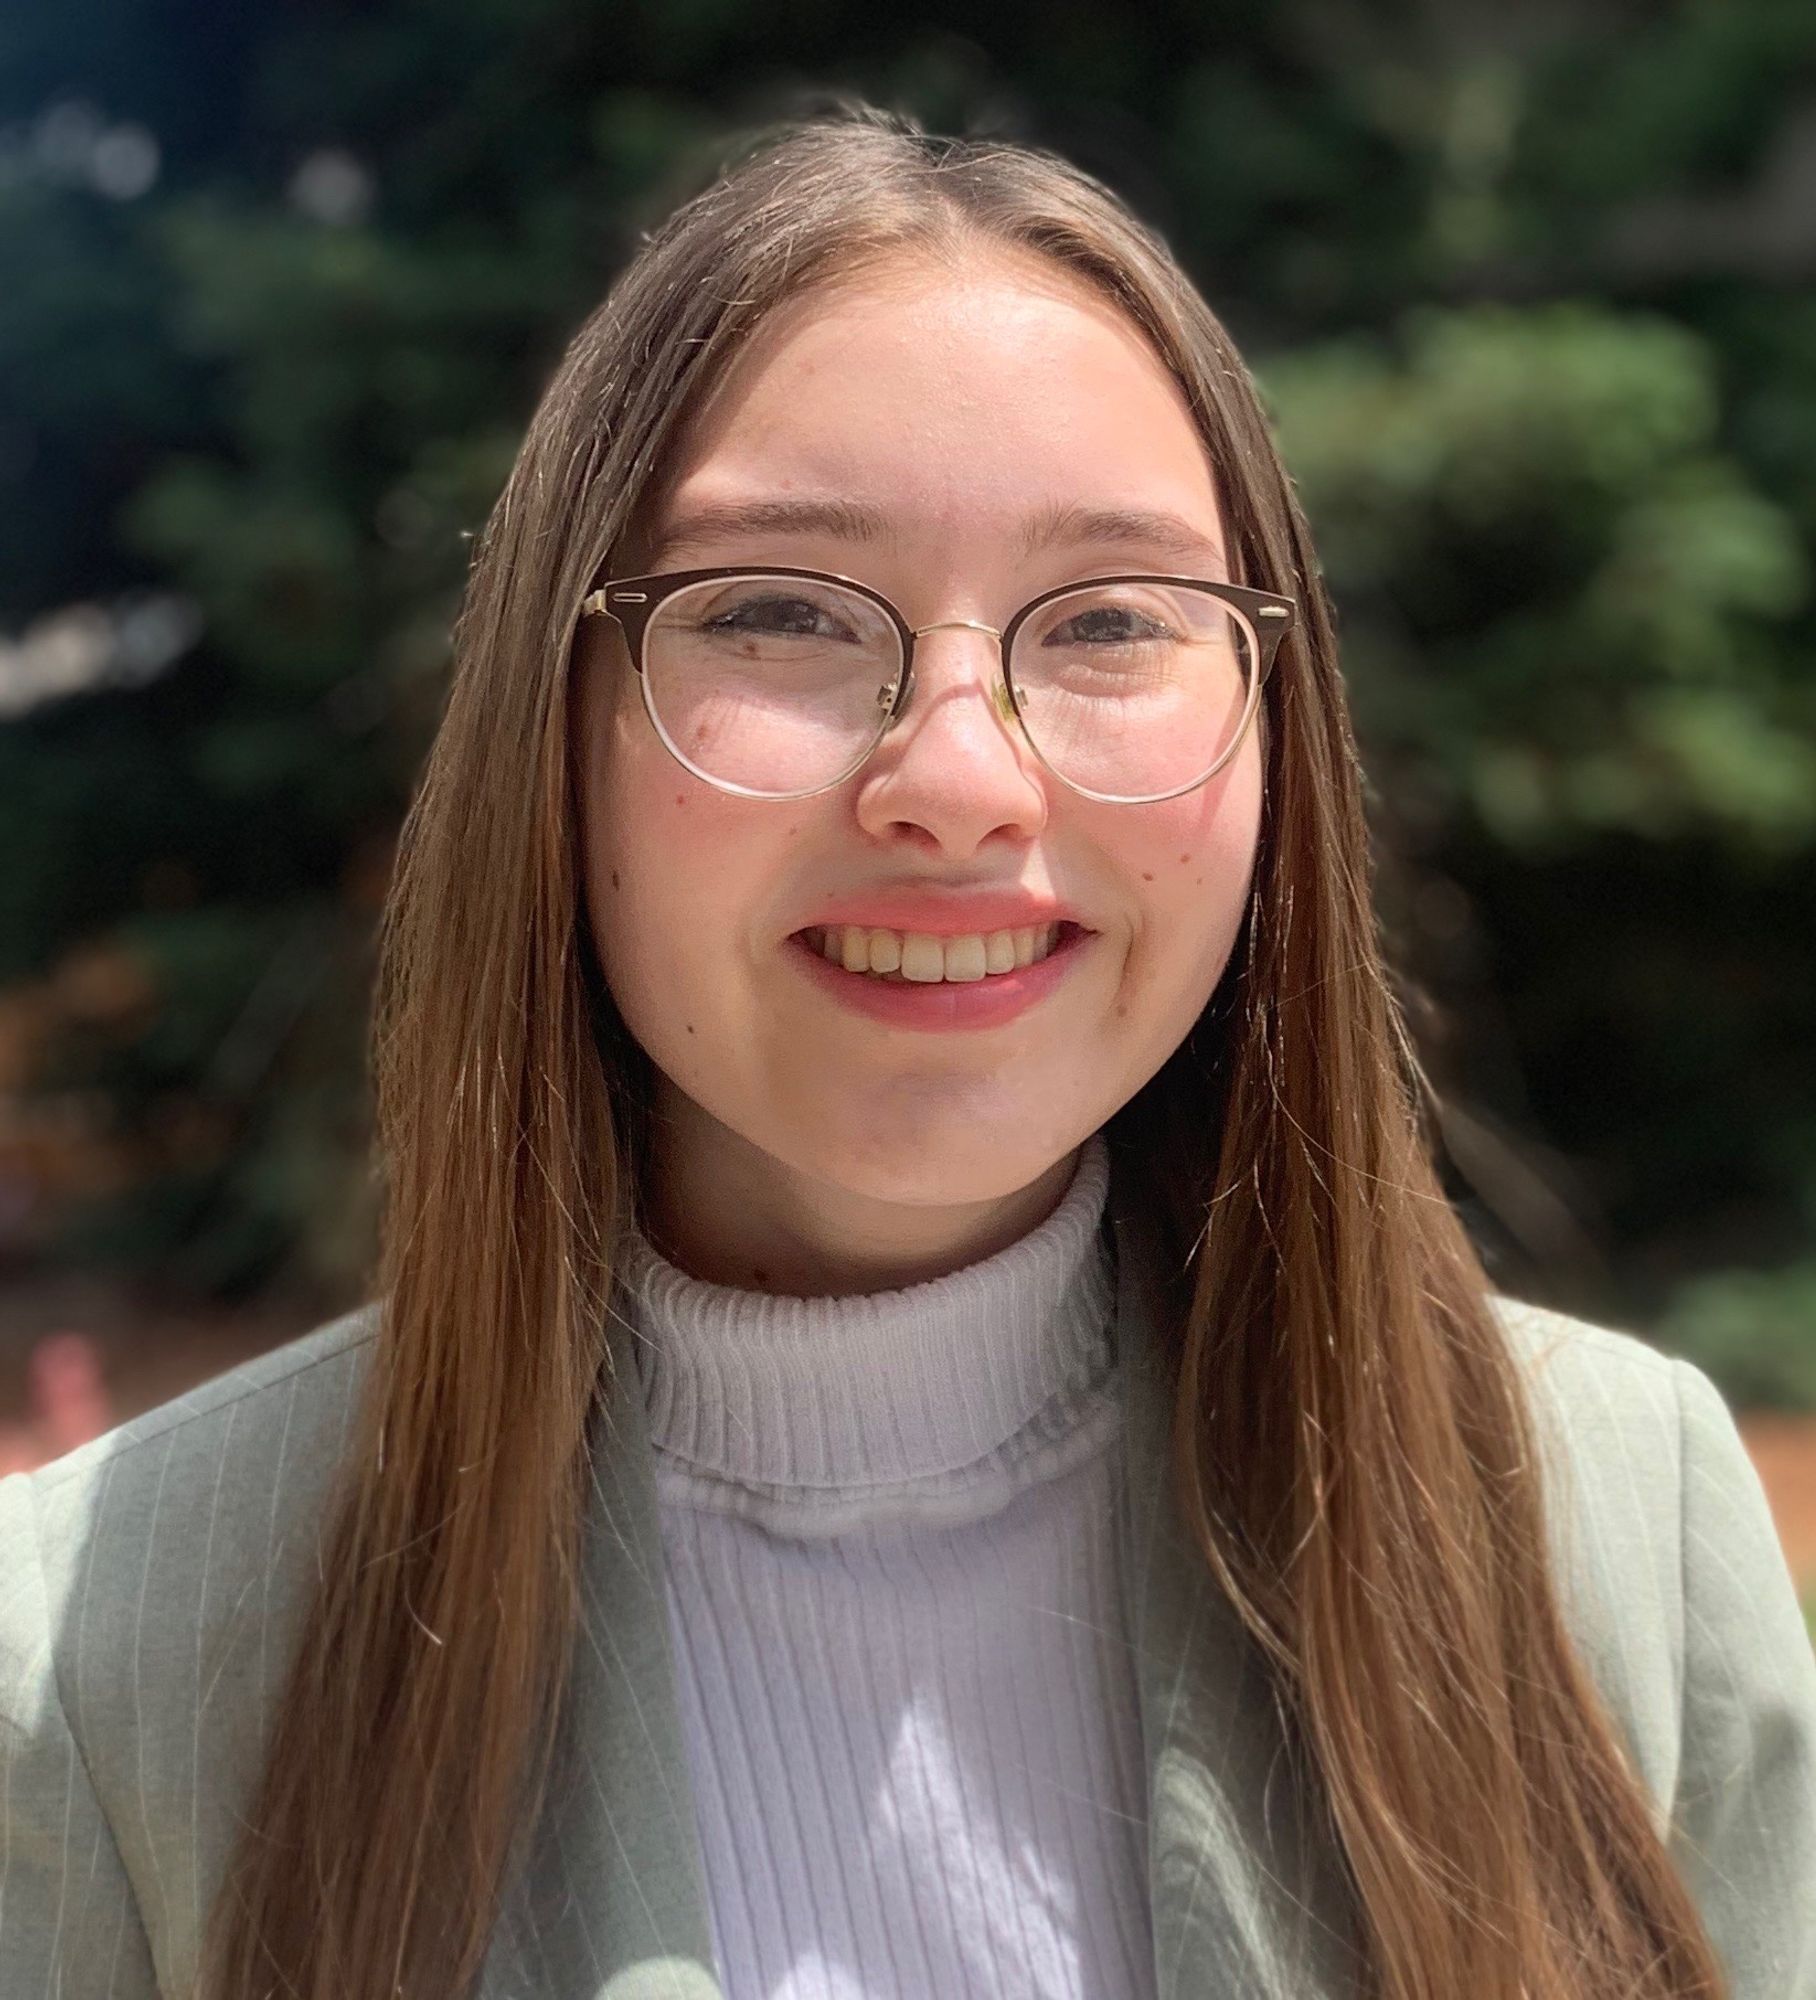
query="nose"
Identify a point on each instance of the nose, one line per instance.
(957, 769)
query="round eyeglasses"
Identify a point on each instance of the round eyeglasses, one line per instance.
(778, 683)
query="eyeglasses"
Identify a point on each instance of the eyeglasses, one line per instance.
(778, 683)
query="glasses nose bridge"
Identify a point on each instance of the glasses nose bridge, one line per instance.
(955, 624)
(964, 625)
(997, 692)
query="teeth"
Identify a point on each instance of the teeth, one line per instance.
(913, 955)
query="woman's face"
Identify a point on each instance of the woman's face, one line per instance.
(976, 417)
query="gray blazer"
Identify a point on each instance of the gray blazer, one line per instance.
(151, 1582)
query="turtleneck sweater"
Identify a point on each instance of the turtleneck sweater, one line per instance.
(890, 1524)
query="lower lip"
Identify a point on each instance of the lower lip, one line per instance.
(943, 1003)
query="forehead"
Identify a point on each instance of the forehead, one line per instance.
(947, 397)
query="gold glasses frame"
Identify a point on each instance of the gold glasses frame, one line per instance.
(632, 601)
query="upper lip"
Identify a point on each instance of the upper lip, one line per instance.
(945, 913)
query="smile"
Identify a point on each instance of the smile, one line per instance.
(964, 993)
(916, 957)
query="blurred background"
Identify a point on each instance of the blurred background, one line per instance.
(1531, 294)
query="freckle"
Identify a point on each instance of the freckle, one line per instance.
(1185, 857)
(614, 878)
(1145, 876)
(1122, 1010)
(681, 800)
(1198, 881)
(690, 1027)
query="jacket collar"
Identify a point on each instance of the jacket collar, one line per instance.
(1247, 1889)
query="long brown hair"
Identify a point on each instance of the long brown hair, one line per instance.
(1351, 1442)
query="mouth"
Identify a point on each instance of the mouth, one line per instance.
(896, 958)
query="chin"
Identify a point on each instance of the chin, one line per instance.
(933, 1169)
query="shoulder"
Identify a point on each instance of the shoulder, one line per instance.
(1608, 1418)
(1605, 1398)
(1547, 1340)
(1608, 1415)
(1608, 1425)
(182, 1512)
(151, 1584)
(1637, 1444)
(1684, 1608)
(313, 1368)
(1673, 1577)
(291, 1404)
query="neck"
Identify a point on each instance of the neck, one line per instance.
(723, 1210)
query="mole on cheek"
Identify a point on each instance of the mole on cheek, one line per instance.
(1145, 876)
(1185, 857)
(690, 1027)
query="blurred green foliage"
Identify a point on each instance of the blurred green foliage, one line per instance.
(1530, 298)
(1570, 599)
(1751, 1331)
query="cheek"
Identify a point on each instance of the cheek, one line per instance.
(658, 886)
(675, 870)
(1191, 860)
(648, 829)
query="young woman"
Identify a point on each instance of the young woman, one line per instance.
(926, 1428)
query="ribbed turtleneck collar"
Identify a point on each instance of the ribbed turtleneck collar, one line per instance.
(883, 1388)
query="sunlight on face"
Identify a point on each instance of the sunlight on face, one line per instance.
(956, 406)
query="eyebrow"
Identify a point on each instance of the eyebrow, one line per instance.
(1067, 524)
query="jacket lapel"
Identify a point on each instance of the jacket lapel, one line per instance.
(1248, 1890)
(612, 1901)
(1248, 1894)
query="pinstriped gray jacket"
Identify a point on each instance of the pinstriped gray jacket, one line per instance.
(151, 1583)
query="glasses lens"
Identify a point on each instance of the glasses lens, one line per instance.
(1132, 690)
(771, 683)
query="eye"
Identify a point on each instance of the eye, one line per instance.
(779, 614)
(1107, 625)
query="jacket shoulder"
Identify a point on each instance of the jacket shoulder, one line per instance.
(1608, 1424)
(1686, 1612)
(175, 1535)
(1547, 1340)
(150, 1587)
(313, 1366)
(188, 1500)
(1608, 1409)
